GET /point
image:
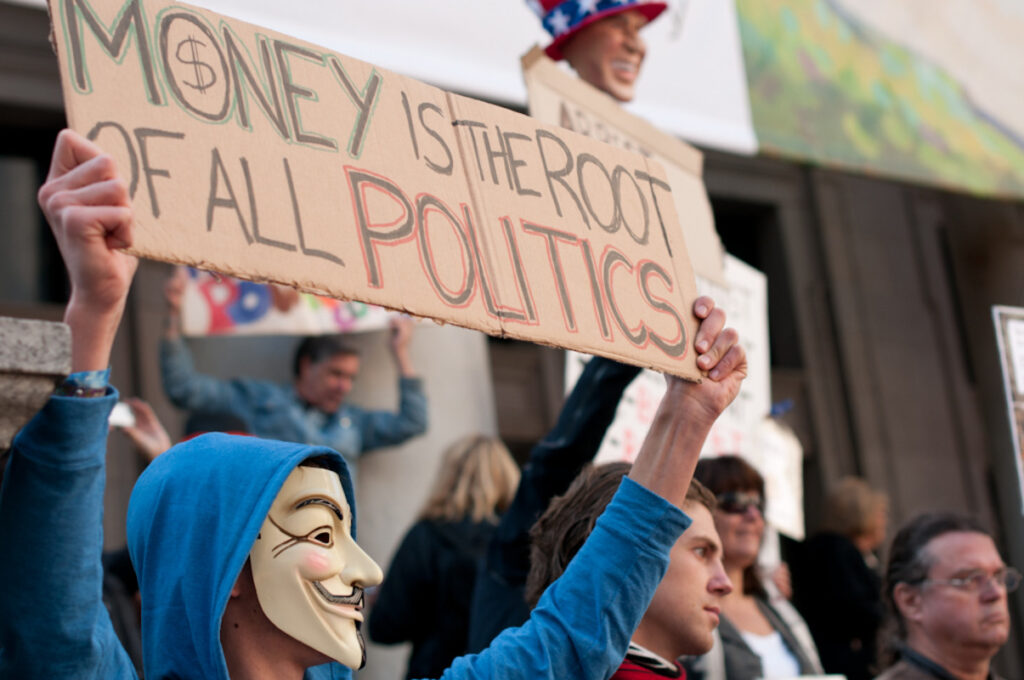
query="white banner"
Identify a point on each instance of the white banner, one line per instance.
(1009, 323)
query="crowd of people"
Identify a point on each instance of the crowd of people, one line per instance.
(242, 558)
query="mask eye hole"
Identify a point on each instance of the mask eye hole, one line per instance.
(321, 536)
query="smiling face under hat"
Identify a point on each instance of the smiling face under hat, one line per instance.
(600, 39)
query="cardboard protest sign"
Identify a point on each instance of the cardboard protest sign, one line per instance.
(257, 155)
(558, 98)
(223, 305)
(745, 301)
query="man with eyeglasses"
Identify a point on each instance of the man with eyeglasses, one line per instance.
(946, 586)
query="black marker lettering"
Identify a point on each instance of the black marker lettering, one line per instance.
(559, 175)
(440, 169)
(501, 153)
(130, 18)
(356, 179)
(133, 162)
(330, 257)
(412, 128)
(254, 215)
(517, 266)
(424, 204)
(515, 164)
(646, 270)
(552, 236)
(187, 52)
(613, 257)
(293, 91)
(489, 302)
(471, 124)
(364, 102)
(595, 287)
(214, 201)
(617, 174)
(582, 161)
(269, 101)
(142, 134)
(655, 182)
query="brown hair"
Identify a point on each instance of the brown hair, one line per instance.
(851, 506)
(731, 473)
(565, 525)
(316, 348)
(476, 481)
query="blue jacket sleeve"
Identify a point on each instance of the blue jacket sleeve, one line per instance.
(582, 625)
(52, 620)
(388, 428)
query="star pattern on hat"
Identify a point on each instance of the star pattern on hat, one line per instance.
(567, 16)
(558, 22)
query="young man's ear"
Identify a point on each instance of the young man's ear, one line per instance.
(238, 588)
(908, 600)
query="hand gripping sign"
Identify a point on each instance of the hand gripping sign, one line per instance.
(253, 154)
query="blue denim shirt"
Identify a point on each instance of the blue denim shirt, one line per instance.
(275, 411)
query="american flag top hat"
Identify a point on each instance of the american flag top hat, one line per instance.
(563, 18)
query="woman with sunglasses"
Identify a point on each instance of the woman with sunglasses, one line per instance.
(757, 637)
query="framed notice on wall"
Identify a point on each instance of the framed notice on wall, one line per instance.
(1010, 337)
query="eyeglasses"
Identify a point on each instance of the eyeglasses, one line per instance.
(973, 581)
(737, 502)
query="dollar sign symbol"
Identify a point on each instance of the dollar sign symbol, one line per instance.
(203, 82)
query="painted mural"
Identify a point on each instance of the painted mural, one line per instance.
(828, 86)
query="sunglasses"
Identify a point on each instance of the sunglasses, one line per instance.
(737, 502)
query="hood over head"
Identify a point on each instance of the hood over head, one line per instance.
(192, 520)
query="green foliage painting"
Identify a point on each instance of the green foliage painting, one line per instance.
(827, 88)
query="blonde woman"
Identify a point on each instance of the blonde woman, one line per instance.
(426, 594)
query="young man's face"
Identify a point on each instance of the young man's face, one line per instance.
(325, 384)
(308, 572)
(608, 53)
(687, 604)
(954, 620)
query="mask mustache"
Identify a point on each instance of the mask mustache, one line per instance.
(355, 597)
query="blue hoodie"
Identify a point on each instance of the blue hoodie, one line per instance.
(209, 517)
(192, 521)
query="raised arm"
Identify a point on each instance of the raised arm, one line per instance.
(51, 504)
(498, 594)
(669, 454)
(583, 622)
(87, 206)
(401, 329)
(390, 428)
